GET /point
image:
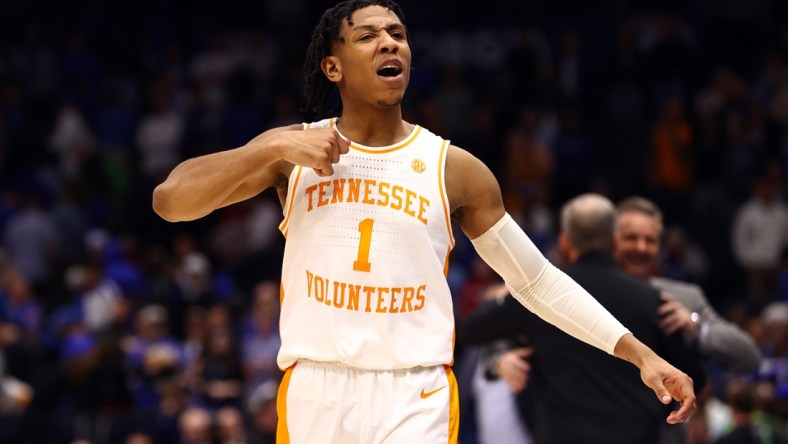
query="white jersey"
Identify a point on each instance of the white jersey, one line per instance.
(366, 257)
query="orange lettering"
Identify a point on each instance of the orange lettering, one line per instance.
(338, 194)
(392, 307)
(396, 195)
(355, 187)
(369, 291)
(322, 199)
(420, 297)
(319, 295)
(409, 195)
(381, 300)
(407, 297)
(368, 184)
(339, 297)
(384, 201)
(423, 204)
(309, 191)
(326, 286)
(309, 277)
(352, 303)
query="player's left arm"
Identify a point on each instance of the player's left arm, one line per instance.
(473, 191)
(476, 204)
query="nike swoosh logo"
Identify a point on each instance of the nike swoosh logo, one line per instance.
(425, 395)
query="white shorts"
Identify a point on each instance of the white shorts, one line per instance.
(333, 403)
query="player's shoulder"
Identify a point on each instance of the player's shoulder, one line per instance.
(462, 157)
(466, 168)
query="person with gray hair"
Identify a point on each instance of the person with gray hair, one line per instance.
(587, 221)
(581, 394)
(684, 305)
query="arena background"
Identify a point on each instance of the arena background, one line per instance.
(685, 102)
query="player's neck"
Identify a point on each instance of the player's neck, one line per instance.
(374, 128)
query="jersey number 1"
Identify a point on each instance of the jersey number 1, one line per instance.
(362, 260)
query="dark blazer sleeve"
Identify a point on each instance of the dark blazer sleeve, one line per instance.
(492, 320)
(686, 358)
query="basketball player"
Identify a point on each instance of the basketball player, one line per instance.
(366, 319)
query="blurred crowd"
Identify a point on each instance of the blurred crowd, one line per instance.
(117, 327)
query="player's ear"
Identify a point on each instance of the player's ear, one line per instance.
(332, 68)
(565, 247)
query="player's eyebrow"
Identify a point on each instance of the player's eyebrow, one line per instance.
(389, 27)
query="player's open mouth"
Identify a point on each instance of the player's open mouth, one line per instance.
(389, 71)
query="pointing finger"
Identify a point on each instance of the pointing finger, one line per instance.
(324, 171)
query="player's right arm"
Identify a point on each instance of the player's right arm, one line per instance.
(200, 185)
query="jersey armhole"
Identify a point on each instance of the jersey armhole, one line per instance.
(292, 185)
(442, 187)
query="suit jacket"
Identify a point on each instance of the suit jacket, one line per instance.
(720, 341)
(582, 394)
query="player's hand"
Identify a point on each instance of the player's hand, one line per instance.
(670, 383)
(674, 316)
(513, 367)
(316, 148)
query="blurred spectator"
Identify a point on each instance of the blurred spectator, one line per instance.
(160, 132)
(774, 343)
(760, 233)
(783, 276)
(34, 60)
(672, 139)
(71, 221)
(743, 152)
(681, 259)
(31, 240)
(230, 426)
(454, 100)
(15, 395)
(748, 425)
(528, 164)
(152, 357)
(259, 339)
(194, 280)
(139, 438)
(219, 374)
(72, 141)
(572, 156)
(195, 426)
(19, 307)
(262, 408)
(101, 300)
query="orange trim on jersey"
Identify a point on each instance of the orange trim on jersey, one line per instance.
(446, 263)
(291, 199)
(453, 342)
(442, 188)
(407, 142)
(282, 434)
(454, 407)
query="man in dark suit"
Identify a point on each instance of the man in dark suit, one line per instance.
(583, 395)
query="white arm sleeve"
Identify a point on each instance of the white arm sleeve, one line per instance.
(544, 289)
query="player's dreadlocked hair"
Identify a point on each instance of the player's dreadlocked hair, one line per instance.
(318, 90)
